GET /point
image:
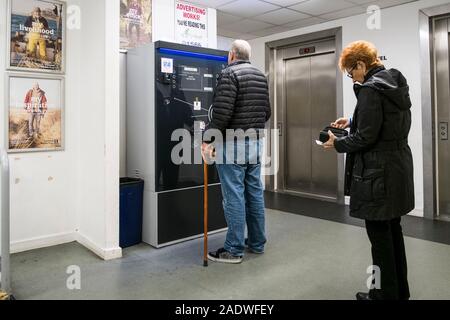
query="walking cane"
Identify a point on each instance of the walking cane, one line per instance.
(205, 214)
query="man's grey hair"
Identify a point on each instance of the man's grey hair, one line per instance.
(241, 49)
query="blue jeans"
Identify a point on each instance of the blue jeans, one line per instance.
(243, 196)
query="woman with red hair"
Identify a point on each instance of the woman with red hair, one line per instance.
(379, 169)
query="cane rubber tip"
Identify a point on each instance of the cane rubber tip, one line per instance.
(205, 263)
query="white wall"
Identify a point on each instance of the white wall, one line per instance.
(398, 40)
(98, 131)
(58, 197)
(42, 187)
(224, 43)
(123, 114)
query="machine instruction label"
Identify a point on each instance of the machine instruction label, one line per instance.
(166, 65)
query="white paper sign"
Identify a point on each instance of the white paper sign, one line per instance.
(191, 24)
(197, 105)
(166, 65)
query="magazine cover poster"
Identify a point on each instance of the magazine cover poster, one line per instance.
(36, 35)
(135, 23)
(35, 114)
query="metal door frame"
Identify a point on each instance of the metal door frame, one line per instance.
(428, 79)
(272, 50)
(289, 53)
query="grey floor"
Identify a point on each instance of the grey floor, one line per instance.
(306, 258)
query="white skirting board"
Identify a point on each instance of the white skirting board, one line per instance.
(42, 242)
(104, 253)
(417, 213)
(58, 239)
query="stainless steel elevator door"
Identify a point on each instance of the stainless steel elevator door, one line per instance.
(298, 165)
(310, 105)
(442, 55)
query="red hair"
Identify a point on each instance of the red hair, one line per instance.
(359, 51)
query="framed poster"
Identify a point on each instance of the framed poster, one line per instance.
(191, 24)
(36, 35)
(35, 113)
(135, 23)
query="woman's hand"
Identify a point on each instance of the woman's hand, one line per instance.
(330, 143)
(341, 123)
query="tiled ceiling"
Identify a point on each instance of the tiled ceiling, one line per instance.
(249, 19)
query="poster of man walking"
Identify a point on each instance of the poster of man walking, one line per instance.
(135, 23)
(35, 114)
(36, 35)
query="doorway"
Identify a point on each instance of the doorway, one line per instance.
(307, 96)
(441, 54)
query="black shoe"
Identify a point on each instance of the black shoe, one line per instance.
(223, 256)
(255, 252)
(361, 296)
(251, 250)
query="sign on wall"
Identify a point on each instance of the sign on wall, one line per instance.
(135, 23)
(36, 31)
(191, 25)
(35, 113)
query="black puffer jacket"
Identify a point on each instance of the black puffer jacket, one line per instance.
(241, 99)
(379, 173)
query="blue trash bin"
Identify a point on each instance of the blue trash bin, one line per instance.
(131, 207)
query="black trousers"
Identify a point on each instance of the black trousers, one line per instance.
(388, 253)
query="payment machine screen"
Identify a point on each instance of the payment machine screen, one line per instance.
(185, 83)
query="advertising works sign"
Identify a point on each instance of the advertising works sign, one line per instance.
(191, 24)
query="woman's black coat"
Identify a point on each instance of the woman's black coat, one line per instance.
(379, 169)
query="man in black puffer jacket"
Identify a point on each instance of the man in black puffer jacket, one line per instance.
(242, 96)
(242, 106)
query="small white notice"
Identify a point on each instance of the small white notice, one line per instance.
(197, 105)
(166, 65)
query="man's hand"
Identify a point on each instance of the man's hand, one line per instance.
(341, 123)
(208, 152)
(330, 143)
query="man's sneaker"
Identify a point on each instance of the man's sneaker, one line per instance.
(223, 256)
(252, 250)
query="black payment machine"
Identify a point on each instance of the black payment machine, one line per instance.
(170, 87)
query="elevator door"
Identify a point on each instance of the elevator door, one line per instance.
(309, 106)
(442, 117)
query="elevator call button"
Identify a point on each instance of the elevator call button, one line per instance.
(443, 129)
